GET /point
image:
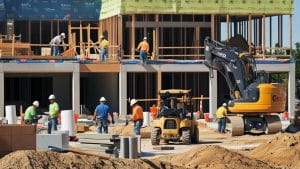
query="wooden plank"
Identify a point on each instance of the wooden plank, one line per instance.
(100, 68)
(97, 136)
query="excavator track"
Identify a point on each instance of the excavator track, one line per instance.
(237, 125)
(273, 124)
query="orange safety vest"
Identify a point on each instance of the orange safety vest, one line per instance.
(137, 113)
(144, 46)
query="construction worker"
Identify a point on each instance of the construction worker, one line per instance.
(30, 116)
(101, 116)
(221, 118)
(143, 48)
(55, 42)
(103, 49)
(154, 111)
(53, 113)
(137, 116)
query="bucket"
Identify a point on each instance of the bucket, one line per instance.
(206, 117)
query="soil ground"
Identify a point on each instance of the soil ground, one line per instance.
(215, 150)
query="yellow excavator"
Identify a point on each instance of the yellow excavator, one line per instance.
(255, 103)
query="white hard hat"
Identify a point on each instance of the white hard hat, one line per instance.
(145, 38)
(224, 104)
(63, 35)
(133, 101)
(51, 97)
(101, 36)
(36, 103)
(102, 99)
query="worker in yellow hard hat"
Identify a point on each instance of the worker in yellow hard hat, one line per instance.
(221, 118)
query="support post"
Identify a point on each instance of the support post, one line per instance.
(158, 85)
(291, 91)
(264, 36)
(291, 34)
(132, 36)
(76, 88)
(122, 92)
(1, 90)
(213, 93)
(250, 33)
(212, 27)
(228, 27)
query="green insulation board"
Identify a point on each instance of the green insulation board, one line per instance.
(236, 7)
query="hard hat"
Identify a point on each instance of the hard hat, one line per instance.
(224, 104)
(63, 35)
(36, 103)
(101, 36)
(51, 97)
(145, 38)
(102, 99)
(133, 101)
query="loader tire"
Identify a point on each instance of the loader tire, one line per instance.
(155, 136)
(186, 136)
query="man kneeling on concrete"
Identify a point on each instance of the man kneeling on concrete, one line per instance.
(30, 116)
(101, 116)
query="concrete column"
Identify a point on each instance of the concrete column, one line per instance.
(291, 91)
(213, 93)
(76, 89)
(123, 92)
(1, 90)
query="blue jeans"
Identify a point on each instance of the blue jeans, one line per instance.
(221, 125)
(137, 127)
(55, 50)
(52, 124)
(143, 56)
(102, 123)
(103, 55)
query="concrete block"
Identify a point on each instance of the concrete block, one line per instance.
(45, 140)
(124, 147)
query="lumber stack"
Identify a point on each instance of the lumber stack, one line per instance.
(106, 143)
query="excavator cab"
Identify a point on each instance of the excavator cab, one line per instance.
(174, 122)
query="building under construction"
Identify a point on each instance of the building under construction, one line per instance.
(175, 29)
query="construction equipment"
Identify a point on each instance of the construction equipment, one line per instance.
(176, 122)
(254, 103)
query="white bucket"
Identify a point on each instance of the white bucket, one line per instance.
(67, 122)
(146, 116)
(11, 116)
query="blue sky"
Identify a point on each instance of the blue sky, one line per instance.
(296, 22)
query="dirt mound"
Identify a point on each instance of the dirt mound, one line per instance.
(37, 160)
(283, 149)
(214, 157)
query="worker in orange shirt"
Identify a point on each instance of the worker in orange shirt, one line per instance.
(154, 111)
(137, 116)
(143, 47)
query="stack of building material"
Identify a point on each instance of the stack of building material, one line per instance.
(81, 128)
(17, 137)
(99, 142)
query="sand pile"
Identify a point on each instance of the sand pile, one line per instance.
(37, 160)
(283, 150)
(214, 157)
